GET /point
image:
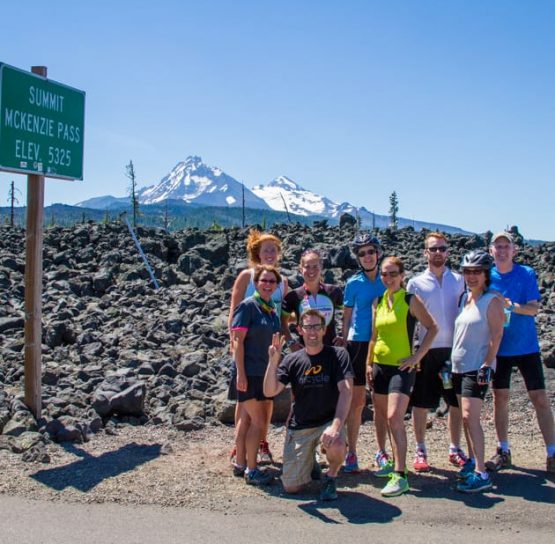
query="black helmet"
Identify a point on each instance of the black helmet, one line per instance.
(477, 259)
(365, 239)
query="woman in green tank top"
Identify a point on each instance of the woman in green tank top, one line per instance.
(391, 362)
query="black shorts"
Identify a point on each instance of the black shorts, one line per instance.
(428, 387)
(530, 367)
(358, 351)
(466, 385)
(389, 379)
(255, 389)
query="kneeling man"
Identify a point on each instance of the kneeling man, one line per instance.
(321, 379)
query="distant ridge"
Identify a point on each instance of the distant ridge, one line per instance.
(194, 182)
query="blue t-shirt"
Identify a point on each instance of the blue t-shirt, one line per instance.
(259, 326)
(360, 292)
(521, 286)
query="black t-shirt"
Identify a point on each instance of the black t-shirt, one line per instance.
(314, 380)
(328, 299)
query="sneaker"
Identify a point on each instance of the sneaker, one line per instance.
(351, 464)
(474, 484)
(501, 459)
(550, 464)
(264, 454)
(384, 464)
(397, 485)
(258, 477)
(421, 462)
(467, 469)
(458, 458)
(316, 473)
(238, 470)
(329, 490)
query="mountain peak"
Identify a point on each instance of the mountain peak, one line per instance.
(285, 183)
(192, 161)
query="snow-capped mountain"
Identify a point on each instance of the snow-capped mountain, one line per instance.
(194, 181)
(299, 200)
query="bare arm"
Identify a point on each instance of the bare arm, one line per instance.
(496, 318)
(238, 294)
(272, 386)
(347, 315)
(419, 311)
(531, 308)
(238, 344)
(332, 432)
(371, 346)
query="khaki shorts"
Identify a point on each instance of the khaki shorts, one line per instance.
(298, 454)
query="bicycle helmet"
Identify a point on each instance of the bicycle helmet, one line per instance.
(363, 239)
(477, 259)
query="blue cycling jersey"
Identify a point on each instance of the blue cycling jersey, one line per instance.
(519, 285)
(360, 292)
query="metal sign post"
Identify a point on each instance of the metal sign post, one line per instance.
(41, 134)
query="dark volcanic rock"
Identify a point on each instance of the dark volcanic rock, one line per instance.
(116, 350)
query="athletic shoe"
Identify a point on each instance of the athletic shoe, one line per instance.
(384, 464)
(238, 470)
(316, 473)
(458, 458)
(467, 469)
(351, 464)
(421, 462)
(258, 477)
(550, 464)
(501, 459)
(474, 484)
(264, 454)
(329, 490)
(397, 485)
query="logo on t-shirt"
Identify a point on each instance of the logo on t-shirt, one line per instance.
(313, 370)
(320, 302)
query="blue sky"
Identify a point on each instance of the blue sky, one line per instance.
(450, 103)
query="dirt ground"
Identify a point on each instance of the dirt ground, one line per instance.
(157, 466)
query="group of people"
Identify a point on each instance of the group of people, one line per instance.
(443, 335)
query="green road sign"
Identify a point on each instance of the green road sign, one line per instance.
(42, 125)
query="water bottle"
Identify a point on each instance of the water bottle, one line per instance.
(445, 374)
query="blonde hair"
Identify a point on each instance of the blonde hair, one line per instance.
(254, 243)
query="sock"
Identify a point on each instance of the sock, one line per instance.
(401, 473)
(421, 446)
(483, 475)
(503, 445)
(550, 450)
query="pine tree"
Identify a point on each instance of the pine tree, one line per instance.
(393, 209)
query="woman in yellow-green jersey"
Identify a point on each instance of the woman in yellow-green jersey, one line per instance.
(391, 361)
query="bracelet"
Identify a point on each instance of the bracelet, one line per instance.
(511, 307)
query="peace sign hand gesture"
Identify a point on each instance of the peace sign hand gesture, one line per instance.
(274, 351)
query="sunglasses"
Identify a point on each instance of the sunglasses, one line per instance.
(391, 274)
(367, 252)
(312, 327)
(439, 249)
(264, 280)
(472, 271)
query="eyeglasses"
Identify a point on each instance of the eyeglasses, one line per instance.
(391, 274)
(264, 280)
(312, 327)
(472, 271)
(367, 252)
(438, 249)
